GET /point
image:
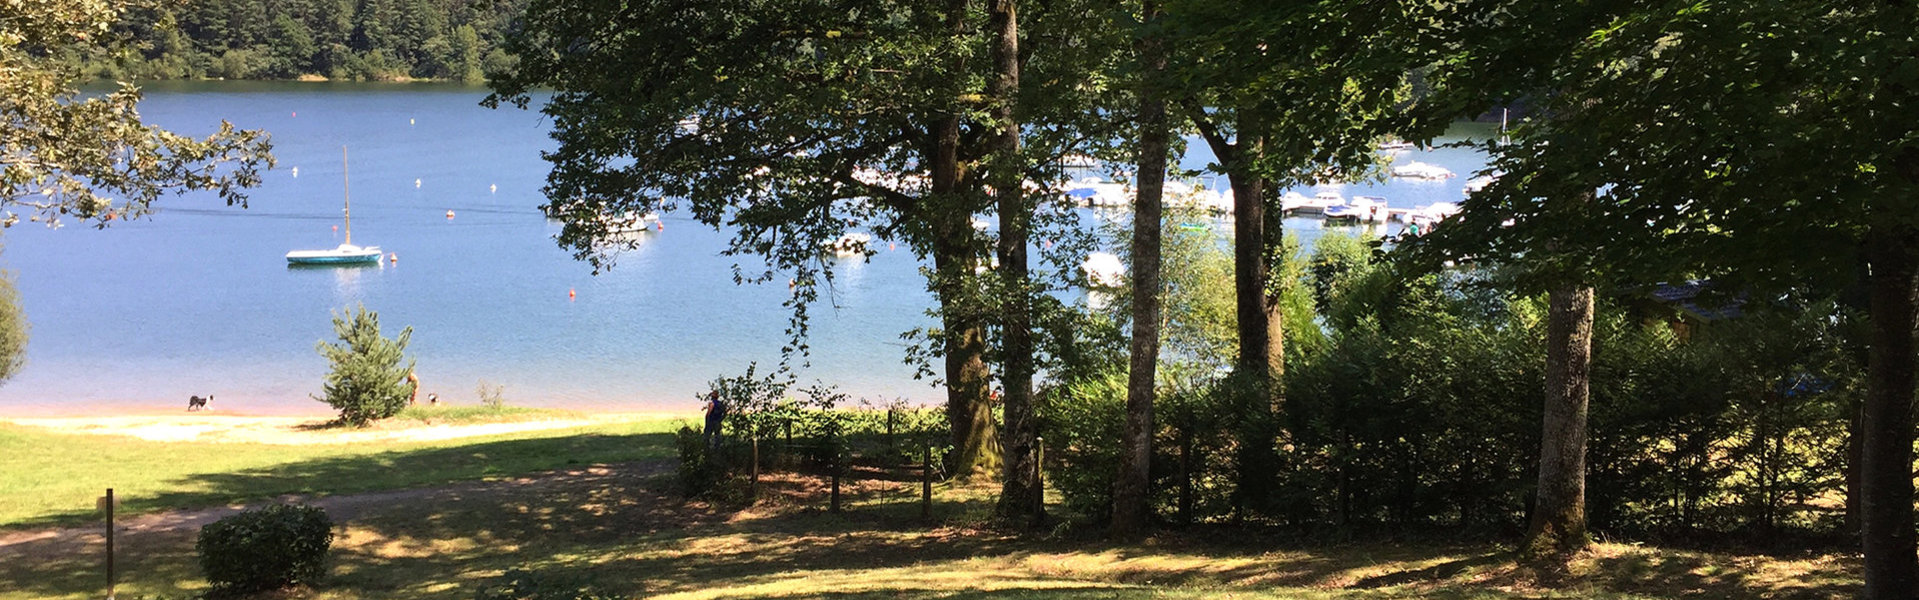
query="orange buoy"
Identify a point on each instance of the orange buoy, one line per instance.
(449, 214)
(570, 294)
(336, 228)
(660, 224)
(296, 113)
(892, 246)
(393, 257)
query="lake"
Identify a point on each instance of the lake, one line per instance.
(198, 299)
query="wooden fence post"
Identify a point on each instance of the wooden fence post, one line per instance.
(753, 489)
(1039, 479)
(926, 481)
(110, 577)
(837, 462)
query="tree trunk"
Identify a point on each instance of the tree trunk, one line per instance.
(1559, 516)
(1886, 419)
(1256, 468)
(969, 402)
(1020, 487)
(1131, 489)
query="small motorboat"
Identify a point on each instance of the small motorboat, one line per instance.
(1372, 209)
(1420, 170)
(1346, 212)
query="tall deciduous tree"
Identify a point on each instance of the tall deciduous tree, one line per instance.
(1020, 486)
(791, 123)
(1284, 94)
(1747, 142)
(1130, 494)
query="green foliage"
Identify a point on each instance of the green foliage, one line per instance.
(368, 381)
(1085, 418)
(708, 473)
(13, 329)
(340, 39)
(90, 159)
(265, 549)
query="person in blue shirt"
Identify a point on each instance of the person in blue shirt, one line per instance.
(715, 414)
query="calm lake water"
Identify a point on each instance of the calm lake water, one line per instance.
(198, 299)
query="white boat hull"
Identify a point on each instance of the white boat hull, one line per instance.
(345, 254)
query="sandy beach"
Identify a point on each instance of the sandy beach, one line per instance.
(303, 430)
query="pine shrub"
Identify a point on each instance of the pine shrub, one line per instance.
(368, 381)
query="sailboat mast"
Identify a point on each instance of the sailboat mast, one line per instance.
(346, 190)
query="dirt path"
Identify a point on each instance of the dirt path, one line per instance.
(150, 529)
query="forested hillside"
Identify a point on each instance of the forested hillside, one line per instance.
(288, 39)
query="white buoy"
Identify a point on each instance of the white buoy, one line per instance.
(409, 121)
(416, 183)
(296, 171)
(495, 188)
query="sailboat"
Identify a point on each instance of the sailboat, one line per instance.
(347, 253)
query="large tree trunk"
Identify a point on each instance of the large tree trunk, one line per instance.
(1886, 419)
(1255, 370)
(1130, 493)
(1020, 487)
(1260, 359)
(1559, 515)
(969, 402)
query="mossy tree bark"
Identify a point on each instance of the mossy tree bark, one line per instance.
(1559, 516)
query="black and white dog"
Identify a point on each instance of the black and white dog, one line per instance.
(197, 403)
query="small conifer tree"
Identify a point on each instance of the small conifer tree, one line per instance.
(368, 381)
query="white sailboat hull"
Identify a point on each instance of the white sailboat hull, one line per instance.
(345, 254)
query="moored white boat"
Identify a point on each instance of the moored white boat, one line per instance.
(851, 243)
(1372, 209)
(631, 223)
(1477, 185)
(1420, 170)
(344, 254)
(1104, 270)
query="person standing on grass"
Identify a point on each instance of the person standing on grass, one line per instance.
(414, 380)
(715, 414)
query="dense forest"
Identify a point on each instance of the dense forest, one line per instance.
(381, 40)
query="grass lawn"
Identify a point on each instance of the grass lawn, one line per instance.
(54, 479)
(612, 521)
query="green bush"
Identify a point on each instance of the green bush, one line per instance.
(368, 381)
(1087, 418)
(713, 475)
(265, 549)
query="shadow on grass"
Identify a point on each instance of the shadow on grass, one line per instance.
(623, 528)
(396, 469)
(1718, 576)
